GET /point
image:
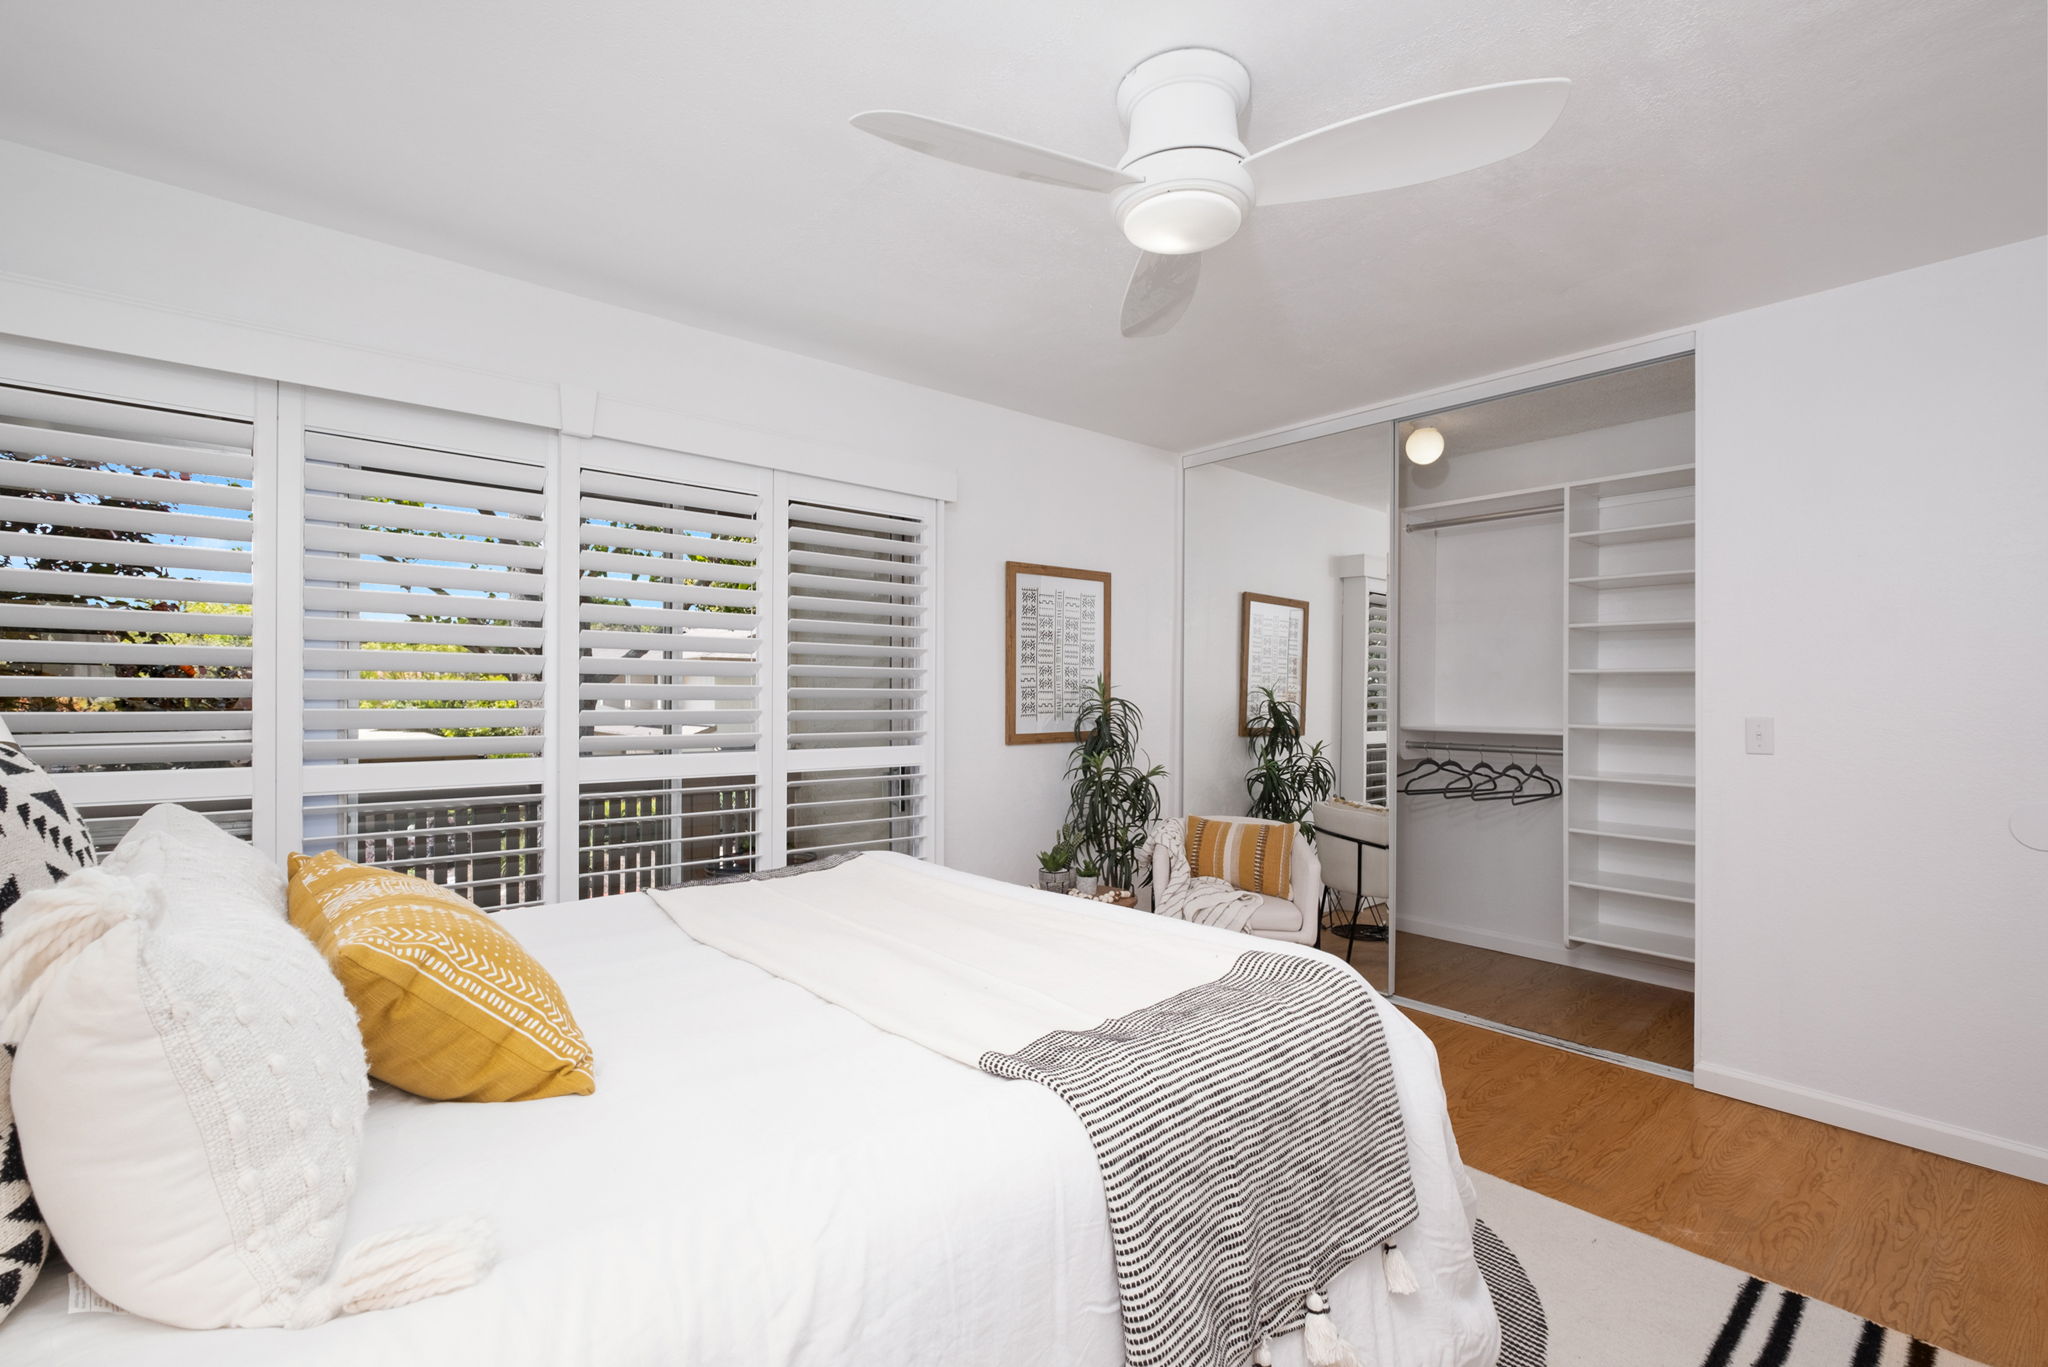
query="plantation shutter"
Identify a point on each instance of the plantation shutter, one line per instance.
(669, 650)
(670, 624)
(1376, 700)
(424, 603)
(857, 646)
(126, 584)
(424, 719)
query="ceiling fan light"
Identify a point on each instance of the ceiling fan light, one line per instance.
(1178, 222)
(1424, 445)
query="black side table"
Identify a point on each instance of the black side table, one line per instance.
(1362, 906)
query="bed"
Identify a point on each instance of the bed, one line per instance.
(763, 1179)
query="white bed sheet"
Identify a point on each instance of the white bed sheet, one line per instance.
(764, 1180)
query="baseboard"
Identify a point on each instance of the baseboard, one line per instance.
(1918, 1132)
(1549, 951)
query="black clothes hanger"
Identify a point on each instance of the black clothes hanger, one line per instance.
(1482, 771)
(1510, 781)
(1547, 789)
(1450, 767)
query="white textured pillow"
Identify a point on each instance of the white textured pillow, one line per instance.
(189, 1090)
(208, 871)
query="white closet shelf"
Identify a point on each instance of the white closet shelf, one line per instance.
(1622, 830)
(1648, 579)
(1662, 624)
(1646, 728)
(1637, 780)
(1523, 732)
(1642, 482)
(1623, 536)
(1625, 669)
(1660, 944)
(1634, 884)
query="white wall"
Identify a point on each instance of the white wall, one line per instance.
(1873, 503)
(238, 289)
(1247, 534)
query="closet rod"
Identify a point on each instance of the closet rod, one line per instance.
(1485, 517)
(1482, 749)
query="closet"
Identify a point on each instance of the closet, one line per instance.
(1545, 749)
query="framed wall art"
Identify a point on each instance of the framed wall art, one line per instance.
(1272, 652)
(1057, 644)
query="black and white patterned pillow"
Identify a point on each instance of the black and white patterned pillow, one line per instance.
(24, 1238)
(42, 837)
(43, 840)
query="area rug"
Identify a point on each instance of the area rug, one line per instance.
(1610, 1297)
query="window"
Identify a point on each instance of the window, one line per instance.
(526, 666)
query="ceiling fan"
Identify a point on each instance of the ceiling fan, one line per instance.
(1186, 182)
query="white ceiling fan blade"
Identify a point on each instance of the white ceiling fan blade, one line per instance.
(990, 151)
(1409, 143)
(1161, 289)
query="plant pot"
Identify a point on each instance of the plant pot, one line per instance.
(1089, 886)
(1052, 880)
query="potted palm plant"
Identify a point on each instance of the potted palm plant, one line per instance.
(1113, 797)
(1286, 779)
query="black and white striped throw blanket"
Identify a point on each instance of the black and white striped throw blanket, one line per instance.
(1241, 1103)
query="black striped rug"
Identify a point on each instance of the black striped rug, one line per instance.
(1580, 1291)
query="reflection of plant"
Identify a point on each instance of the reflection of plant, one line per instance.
(1056, 859)
(1285, 781)
(1112, 802)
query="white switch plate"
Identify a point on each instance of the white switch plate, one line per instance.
(1760, 735)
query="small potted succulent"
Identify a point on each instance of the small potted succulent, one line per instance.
(1089, 878)
(1055, 866)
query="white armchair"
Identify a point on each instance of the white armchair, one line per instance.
(1278, 918)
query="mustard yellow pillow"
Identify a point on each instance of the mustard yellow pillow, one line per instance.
(452, 1008)
(1254, 855)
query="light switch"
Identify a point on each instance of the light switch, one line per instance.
(1761, 735)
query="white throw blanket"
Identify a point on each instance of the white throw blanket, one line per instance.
(1242, 1103)
(1184, 895)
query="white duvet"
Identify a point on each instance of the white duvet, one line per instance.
(764, 1180)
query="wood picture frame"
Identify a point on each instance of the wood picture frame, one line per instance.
(1273, 658)
(1056, 639)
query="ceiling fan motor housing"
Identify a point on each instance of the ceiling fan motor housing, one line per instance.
(1181, 110)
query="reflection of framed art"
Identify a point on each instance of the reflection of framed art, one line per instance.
(1057, 642)
(1272, 652)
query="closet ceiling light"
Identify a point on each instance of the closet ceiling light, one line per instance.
(1424, 445)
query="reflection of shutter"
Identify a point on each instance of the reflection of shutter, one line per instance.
(833, 811)
(1376, 701)
(423, 582)
(125, 583)
(670, 640)
(858, 628)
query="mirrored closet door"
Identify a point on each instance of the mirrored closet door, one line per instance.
(1285, 589)
(1545, 761)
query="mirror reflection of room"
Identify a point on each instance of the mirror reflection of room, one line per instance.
(1287, 689)
(1544, 786)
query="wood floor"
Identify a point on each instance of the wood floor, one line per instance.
(1954, 1254)
(1620, 1015)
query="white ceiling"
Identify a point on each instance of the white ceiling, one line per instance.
(693, 160)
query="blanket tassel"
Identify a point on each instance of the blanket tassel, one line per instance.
(1400, 1276)
(1320, 1342)
(1262, 1356)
